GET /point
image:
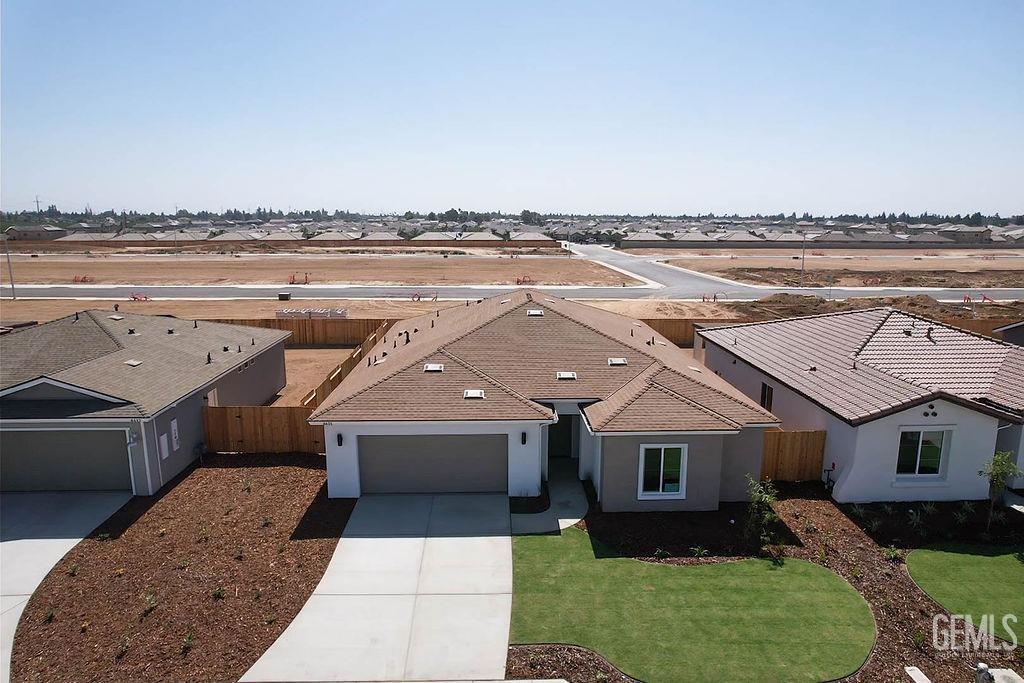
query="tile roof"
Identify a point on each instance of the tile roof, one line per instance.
(494, 344)
(861, 365)
(90, 350)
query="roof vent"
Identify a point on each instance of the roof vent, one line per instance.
(132, 362)
(131, 330)
(225, 349)
(565, 375)
(170, 330)
(473, 393)
(116, 317)
(535, 312)
(694, 368)
(433, 367)
(617, 361)
(505, 301)
(812, 368)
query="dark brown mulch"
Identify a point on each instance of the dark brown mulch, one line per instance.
(529, 505)
(193, 584)
(574, 664)
(902, 611)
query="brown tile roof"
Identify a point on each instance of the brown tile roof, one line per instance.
(495, 343)
(90, 353)
(861, 365)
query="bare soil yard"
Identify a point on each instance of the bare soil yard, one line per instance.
(402, 270)
(306, 369)
(869, 267)
(191, 585)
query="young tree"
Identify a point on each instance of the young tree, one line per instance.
(997, 471)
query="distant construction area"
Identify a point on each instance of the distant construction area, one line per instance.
(859, 268)
(382, 270)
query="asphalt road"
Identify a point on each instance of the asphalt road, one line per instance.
(667, 283)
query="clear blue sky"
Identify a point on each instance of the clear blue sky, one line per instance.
(822, 106)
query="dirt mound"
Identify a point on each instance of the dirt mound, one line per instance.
(788, 305)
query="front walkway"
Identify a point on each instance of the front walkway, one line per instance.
(419, 588)
(36, 530)
(568, 501)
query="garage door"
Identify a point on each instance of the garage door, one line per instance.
(436, 463)
(64, 461)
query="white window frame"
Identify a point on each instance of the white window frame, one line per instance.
(683, 463)
(947, 438)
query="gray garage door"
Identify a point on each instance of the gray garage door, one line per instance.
(448, 463)
(64, 461)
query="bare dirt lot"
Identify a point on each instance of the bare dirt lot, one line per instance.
(50, 309)
(863, 267)
(401, 270)
(306, 369)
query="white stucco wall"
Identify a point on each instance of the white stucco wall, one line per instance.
(524, 461)
(1011, 438)
(871, 474)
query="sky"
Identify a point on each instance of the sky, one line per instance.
(583, 107)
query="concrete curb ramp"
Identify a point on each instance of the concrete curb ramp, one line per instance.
(419, 589)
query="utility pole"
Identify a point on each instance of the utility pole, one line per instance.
(803, 257)
(10, 269)
(37, 203)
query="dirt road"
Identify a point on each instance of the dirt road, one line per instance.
(381, 270)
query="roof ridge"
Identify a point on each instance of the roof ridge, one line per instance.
(91, 312)
(324, 407)
(720, 392)
(872, 333)
(723, 418)
(644, 386)
(605, 334)
(477, 371)
(751, 323)
(972, 333)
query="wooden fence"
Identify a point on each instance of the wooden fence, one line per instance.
(261, 429)
(334, 378)
(315, 331)
(793, 455)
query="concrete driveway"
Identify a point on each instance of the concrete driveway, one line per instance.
(419, 589)
(36, 530)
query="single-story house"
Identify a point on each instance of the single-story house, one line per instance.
(35, 232)
(481, 397)
(101, 400)
(912, 408)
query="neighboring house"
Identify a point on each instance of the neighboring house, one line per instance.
(382, 236)
(1013, 333)
(113, 401)
(530, 236)
(35, 232)
(480, 398)
(913, 409)
(437, 236)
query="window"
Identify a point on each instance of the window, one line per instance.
(662, 471)
(920, 452)
(767, 394)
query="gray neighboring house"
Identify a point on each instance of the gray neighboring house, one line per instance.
(482, 397)
(912, 408)
(35, 232)
(101, 400)
(1013, 333)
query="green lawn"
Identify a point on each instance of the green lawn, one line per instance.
(973, 580)
(744, 620)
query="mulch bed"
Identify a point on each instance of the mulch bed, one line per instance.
(574, 664)
(193, 584)
(849, 540)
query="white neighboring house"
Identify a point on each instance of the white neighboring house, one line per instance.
(913, 409)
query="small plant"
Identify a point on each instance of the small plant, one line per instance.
(269, 619)
(661, 553)
(247, 486)
(918, 638)
(119, 571)
(83, 627)
(874, 524)
(997, 471)
(162, 532)
(229, 510)
(929, 509)
(73, 570)
(699, 551)
(50, 614)
(258, 595)
(265, 522)
(204, 534)
(149, 600)
(888, 509)
(856, 573)
(103, 537)
(967, 506)
(821, 555)
(776, 552)
(239, 554)
(915, 519)
(182, 565)
(186, 643)
(999, 516)
(761, 511)
(809, 526)
(961, 517)
(859, 511)
(281, 548)
(122, 649)
(893, 554)
(217, 593)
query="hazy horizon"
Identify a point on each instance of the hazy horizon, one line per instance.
(587, 108)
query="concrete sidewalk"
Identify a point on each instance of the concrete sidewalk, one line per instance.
(419, 588)
(568, 501)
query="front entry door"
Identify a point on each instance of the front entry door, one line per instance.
(560, 437)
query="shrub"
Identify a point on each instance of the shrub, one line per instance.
(186, 643)
(761, 515)
(699, 551)
(149, 599)
(50, 614)
(859, 511)
(217, 593)
(928, 508)
(661, 553)
(893, 554)
(918, 638)
(73, 570)
(888, 509)
(997, 471)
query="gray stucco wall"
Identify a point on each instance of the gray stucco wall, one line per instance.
(256, 384)
(620, 463)
(741, 456)
(433, 463)
(45, 392)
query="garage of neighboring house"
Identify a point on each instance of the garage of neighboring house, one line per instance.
(65, 460)
(433, 463)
